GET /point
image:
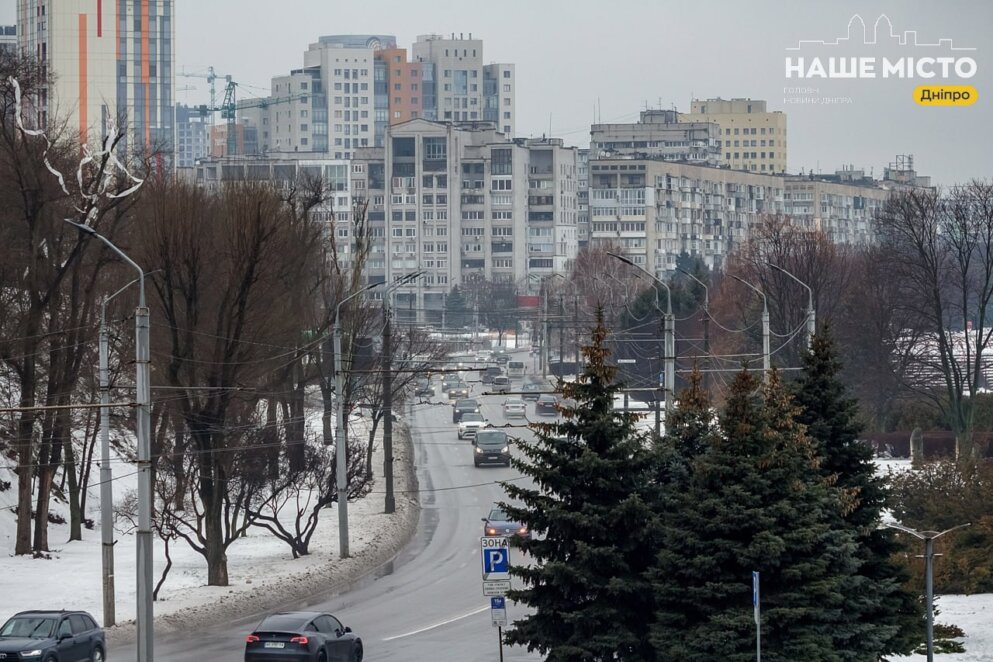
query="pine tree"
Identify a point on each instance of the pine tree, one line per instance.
(751, 499)
(883, 616)
(587, 581)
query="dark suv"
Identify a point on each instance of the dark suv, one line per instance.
(46, 636)
(464, 406)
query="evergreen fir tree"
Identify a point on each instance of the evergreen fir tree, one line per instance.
(753, 499)
(883, 616)
(587, 583)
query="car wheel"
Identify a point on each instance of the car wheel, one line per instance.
(358, 652)
(321, 657)
(97, 655)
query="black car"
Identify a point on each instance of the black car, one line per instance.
(497, 523)
(491, 447)
(531, 391)
(302, 635)
(464, 406)
(546, 405)
(458, 390)
(423, 388)
(448, 380)
(47, 636)
(490, 373)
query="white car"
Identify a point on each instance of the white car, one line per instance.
(470, 423)
(514, 408)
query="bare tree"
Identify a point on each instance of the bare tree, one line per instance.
(939, 247)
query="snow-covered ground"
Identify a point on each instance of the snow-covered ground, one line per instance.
(261, 569)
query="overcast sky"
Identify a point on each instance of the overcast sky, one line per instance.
(617, 55)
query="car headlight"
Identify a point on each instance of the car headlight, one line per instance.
(523, 529)
(491, 532)
(505, 449)
(31, 653)
(478, 449)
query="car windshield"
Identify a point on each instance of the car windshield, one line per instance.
(37, 627)
(470, 418)
(513, 403)
(466, 404)
(497, 515)
(493, 439)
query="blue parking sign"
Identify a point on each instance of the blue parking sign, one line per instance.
(496, 560)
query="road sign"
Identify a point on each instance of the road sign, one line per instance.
(496, 557)
(498, 612)
(627, 360)
(496, 587)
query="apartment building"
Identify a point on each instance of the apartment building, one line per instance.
(752, 138)
(192, 136)
(583, 198)
(8, 37)
(353, 87)
(658, 134)
(655, 210)
(112, 60)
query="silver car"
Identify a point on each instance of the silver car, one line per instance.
(514, 408)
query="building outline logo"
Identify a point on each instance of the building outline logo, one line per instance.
(907, 39)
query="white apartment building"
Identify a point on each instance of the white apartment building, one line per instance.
(658, 134)
(752, 138)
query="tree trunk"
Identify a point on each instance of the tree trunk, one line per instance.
(165, 570)
(217, 560)
(371, 444)
(90, 435)
(178, 459)
(75, 511)
(327, 398)
(45, 476)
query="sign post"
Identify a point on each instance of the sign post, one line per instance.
(495, 553)
(756, 607)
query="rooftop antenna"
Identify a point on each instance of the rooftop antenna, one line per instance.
(549, 125)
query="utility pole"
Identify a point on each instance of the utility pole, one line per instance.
(388, 407)
(766, 356)
(811, 315)
(561, 336)
(928, 537)
(545, 337)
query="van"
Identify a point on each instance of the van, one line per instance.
(515, 369)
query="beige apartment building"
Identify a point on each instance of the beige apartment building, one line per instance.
(752, 138)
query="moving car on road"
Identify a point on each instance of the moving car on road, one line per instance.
(423, 388)
(448, 380)
(302, 635)
(501, 384)
(470, 424)
(531, 391)
(497, 523)
(514, 408)
(546, 405)
(464, 406)
(491, 447)
(46, 636)
(490, 373)
(458, 390)
(516, 369)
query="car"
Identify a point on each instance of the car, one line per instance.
(490, 373)
(458, 390)
(502, 358)
(302, 635)
(546, 405)
(464, 406)
(516, 369)
(514, 408)
(47, 636)
(423, 388)
(447, 381)
(497, 523)
(531, 391)
(491, 446)
(471, 422)
(501, 384)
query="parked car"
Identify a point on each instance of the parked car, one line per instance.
(458, 390)
(471, 422)
(546, 405)
(423, 388)
(490, 373)
(302, 635)
(531, 391)
(497, 523)
(464, 406)
(501, 384)
(66, 636)
(514, 408)
(491, 446)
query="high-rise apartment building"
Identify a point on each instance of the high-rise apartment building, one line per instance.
(113, 62)
(658, 134)
(8, 37)
(752, 138)
(352, 87)
(192, 136)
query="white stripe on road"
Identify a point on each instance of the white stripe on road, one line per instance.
(437, 625)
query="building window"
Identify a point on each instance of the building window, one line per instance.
(506, 73)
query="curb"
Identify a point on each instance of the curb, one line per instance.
(334, 576)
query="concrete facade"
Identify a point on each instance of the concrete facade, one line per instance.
(658, 134)
(192, 136)
(113, 61)
(752, 138)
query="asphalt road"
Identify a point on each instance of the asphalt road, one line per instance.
(427, 604)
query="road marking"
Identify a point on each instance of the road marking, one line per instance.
(437, 625)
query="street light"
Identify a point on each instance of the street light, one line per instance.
(390, 500)
(811, 321)
(668, 387)
(341, 455)
(706, 320)
(766, 356)
(143, 537)
(928, 537)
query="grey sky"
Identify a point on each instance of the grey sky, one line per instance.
(573, 55)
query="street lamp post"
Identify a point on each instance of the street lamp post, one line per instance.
(706, 321)
(143, 398)
(341, 452)
(928, 537)
(669, 387)
(766, 356)
(811, 320)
